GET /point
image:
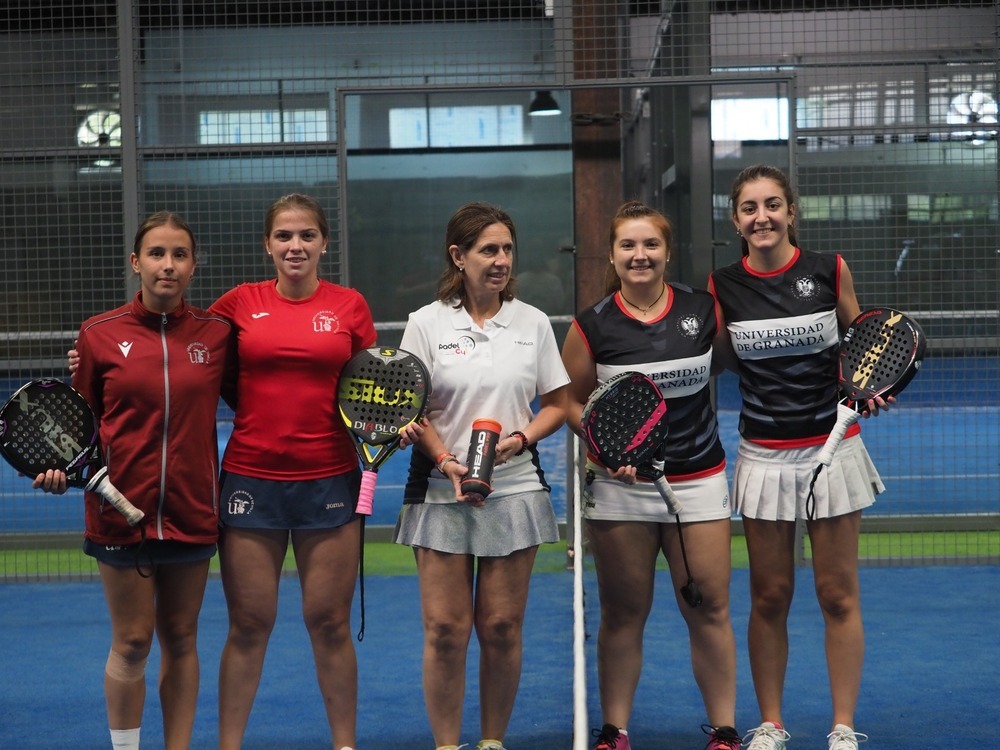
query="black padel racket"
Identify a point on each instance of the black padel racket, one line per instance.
(381, 391)
(625, 423)
(47, 424)
(878, 357)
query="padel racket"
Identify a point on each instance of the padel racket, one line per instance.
(381, 391)
(878, 357)
(47, 424)
(625, 423)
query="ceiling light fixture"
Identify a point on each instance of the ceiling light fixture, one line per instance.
(543, 105)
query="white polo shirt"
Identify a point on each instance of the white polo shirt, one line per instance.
(492, 372)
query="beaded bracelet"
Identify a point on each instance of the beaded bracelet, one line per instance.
(442, 459)
(524, 441)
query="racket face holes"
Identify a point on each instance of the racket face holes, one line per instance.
(880, 355)
(380, 396)
(620, 420)
(47, 425)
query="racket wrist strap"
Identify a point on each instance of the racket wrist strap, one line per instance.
(524, 441)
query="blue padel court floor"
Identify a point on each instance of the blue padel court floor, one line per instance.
(929, 681)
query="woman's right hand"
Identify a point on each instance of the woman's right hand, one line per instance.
(455, 471)
(52, 481)
(73, 359)
(624, 474)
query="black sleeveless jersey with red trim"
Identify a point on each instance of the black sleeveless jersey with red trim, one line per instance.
(675, 350)
(783, 327)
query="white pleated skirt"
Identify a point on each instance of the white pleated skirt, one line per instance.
(773, 485)
(607, 499)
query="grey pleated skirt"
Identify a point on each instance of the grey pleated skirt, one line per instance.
(773, 485)
(502, 526)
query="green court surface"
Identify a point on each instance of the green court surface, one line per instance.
(386, 558)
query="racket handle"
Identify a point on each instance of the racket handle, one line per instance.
(367, 495)
(665, 490)
(100, 484)
(846, 416)
(668, 494)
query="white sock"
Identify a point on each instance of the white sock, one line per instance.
(125, 739)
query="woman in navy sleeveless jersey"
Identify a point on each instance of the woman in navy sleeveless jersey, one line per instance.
(784, 309)
(666, 331)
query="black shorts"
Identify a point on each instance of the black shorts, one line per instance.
(152, 552)
(250, 503)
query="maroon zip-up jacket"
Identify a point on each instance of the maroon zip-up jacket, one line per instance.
(154, 379)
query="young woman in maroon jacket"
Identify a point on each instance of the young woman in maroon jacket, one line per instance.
(152, 371)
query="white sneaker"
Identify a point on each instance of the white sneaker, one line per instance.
(766, 737)
(844, 738)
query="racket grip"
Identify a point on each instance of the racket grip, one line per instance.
(100, 484)
(668, 494)
(367, 494)
(846, 416)
(482, 454)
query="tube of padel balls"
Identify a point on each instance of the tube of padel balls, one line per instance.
(482, 454)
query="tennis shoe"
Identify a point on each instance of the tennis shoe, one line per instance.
(489, 745)
(721, 738)
(844, 738)
(609, 738)
(768, 736)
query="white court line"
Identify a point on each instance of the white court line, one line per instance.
(925, 477)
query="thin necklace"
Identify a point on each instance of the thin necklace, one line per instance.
(643, 310)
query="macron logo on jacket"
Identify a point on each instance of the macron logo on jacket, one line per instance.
(125, 346)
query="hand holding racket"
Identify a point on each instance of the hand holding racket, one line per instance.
(878, 357)
(46, 425)
(625, 423)
(382, 391)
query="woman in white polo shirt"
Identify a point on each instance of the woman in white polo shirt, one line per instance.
(489, 356)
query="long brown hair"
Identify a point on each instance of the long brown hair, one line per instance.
(763, 172)
(464, 228)
(626, 212)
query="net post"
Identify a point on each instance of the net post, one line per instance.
(800, 542)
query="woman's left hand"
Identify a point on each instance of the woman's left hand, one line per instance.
(507, 448)
(411, 434)
(877, 405)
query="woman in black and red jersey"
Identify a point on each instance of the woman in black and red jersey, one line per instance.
(664, 330)
(784, 309)
(152, 371)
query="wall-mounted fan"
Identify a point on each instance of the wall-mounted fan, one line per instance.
(102, 127)
(973, 108)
